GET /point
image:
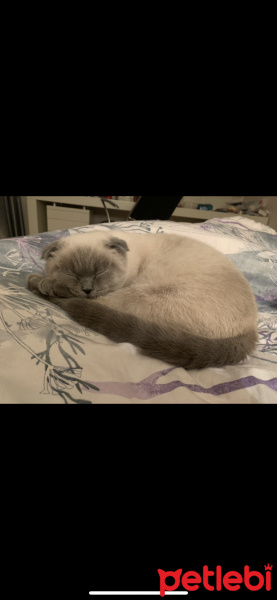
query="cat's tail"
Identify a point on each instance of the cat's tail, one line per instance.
(166, 342)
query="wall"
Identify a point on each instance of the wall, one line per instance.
(4, 230)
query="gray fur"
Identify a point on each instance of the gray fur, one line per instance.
(178, 300)
(167, 342)
(50, 250)
(119, 245)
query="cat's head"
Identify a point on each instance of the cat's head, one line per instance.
(90, 264)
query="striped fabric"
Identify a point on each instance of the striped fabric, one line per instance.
(14, 215)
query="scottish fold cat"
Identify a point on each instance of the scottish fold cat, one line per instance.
(175, 298)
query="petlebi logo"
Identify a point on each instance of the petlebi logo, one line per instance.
(216, 579)
(233, 581)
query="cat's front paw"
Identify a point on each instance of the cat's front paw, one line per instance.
(33, 283)
(46, 286)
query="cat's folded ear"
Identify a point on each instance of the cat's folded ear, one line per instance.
(117, 244)
(50, 250)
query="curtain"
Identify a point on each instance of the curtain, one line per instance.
(14, 215)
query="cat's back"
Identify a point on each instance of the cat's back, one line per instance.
(157, 254)
(176, 254)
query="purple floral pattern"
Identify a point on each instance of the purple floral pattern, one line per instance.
(60, 361)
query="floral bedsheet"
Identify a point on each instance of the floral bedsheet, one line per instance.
(45, 357)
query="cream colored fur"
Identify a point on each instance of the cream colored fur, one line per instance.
(176, 279)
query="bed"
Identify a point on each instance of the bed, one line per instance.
(47, 358)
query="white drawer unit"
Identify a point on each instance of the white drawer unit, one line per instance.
(65, 217)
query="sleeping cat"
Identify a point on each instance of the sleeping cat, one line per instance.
(175, 298)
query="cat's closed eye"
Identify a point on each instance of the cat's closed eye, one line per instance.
(100, 273)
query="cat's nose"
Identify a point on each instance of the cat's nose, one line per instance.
(87, 292)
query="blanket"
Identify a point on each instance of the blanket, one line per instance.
(45, 357)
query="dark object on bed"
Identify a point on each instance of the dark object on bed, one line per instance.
(155, 208)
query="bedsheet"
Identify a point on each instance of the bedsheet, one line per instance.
(45, 357)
